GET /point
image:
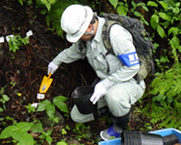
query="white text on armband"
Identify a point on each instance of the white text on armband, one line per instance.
(129, 59)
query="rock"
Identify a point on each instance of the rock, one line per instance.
(73, 142)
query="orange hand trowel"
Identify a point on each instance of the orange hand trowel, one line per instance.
(45, 84)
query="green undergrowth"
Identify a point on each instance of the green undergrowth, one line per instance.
(164, 105)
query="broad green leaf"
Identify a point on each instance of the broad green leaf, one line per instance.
(179, 48)
(159, 97)
(164, 5)
(145, 8)
(42, 105)
(164, 16)
(169, 99)
(24, 126)
(37, 128)
(133, 4)
(173, 30)
(154, 21)
(62, 106)
(143, 5)
(114, 3)
(20, 129)
(49, 139)
(50, 110)
(136, 13)
(176, 10)
(43, 1)
(122, 10)
(152, 4)
(61, 143)
(26, 139)
(59, 99)
(145, 22)
(48, 6)
(161, 31)
(49, 132)
(5, 97)
(178, 4)
(7, 132)
(174, 42)
(21, 2)
(17, 134)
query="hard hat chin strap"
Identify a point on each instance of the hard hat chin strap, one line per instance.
(90, 33)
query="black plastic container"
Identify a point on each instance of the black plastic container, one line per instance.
(170, 139)
(141, 138)
(81, 97)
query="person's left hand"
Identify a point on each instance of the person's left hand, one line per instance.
(99, 91)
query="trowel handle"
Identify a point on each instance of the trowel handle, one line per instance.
(49, 75)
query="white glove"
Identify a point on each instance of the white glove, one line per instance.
(52, 67)
(99, 91)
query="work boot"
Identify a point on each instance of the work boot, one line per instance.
(119, 124)
(110, 133)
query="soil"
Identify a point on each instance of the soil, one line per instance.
(21, 73)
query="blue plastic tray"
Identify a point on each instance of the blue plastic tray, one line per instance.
(162, 132)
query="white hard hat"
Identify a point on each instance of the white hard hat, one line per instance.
(75, 20)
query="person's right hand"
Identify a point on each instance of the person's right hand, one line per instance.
(52, 68)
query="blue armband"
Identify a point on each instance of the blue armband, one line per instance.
(129, 59)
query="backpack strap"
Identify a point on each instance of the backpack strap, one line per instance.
(105, 33)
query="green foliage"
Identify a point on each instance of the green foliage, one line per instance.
(54, 15)
(46, 136)
(137, 13)
(167, 85)
(3, 99)
(123, 9)
(48, 3)
(164, 115)
(61, 143)
(166, 103)
(81, 131)
(166, 21)
(16, 41)
(55, 10)
(21, 133)
(49, 107)
(59, 102)
(64, 130)
(163, 59)
(30, 108)
(28, 2)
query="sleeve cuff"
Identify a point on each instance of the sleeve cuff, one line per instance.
(107, 83)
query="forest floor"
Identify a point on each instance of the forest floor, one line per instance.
(21, 73)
